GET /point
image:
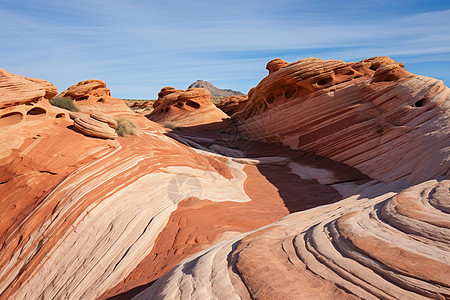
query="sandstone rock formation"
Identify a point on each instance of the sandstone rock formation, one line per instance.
(387, 240)
(215, 92)
(78, 214)
(366, 114)
(190, 213)
(24, 90)
(185, 108)
(93, 95)
(25, 112)
(231, 104)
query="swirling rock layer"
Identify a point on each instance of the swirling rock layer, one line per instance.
(93, 127)
(372, 115)
(388, 247)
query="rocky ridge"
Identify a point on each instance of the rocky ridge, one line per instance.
(215, 92)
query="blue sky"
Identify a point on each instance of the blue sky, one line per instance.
(138, 47)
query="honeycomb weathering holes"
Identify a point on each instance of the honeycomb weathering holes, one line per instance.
(421, 102)
(192, 104)
(36, 111)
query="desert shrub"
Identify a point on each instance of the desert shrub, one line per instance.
(170, 126)
(64, 102)
(217, 99)
(125, 126)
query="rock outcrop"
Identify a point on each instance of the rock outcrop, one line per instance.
(185, 108)
(231, 104)
(25, 112)
(17, 89)
(372, 115)
(389, 239)
(95, 125)
(215, 92)
(93, 96)
(105, 119)
(275, 64)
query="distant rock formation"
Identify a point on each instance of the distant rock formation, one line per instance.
(231, 104)
(215, 92)
(185, 108)
(140, 106)
(93, 96)
(372, 114)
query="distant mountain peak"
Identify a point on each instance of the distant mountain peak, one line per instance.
(216, 92)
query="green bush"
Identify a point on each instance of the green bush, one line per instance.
(125, 126)
(217, 99)
(64, 102)
(170, 126)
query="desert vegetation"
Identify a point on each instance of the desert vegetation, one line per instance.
(170, 126)
(217, 99)
(64, 102)
(125, 126)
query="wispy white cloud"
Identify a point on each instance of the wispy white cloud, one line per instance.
(138, 47)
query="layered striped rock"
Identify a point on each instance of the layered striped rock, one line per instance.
(25, 112)
(394, 246)
(94, 127)
(372, 115)
(85, 218)
(105, 119)
(17, 89)
(185, 108)
(93, 96)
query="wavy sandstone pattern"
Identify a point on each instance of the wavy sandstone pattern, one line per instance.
(388, 247)
(96, 126)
